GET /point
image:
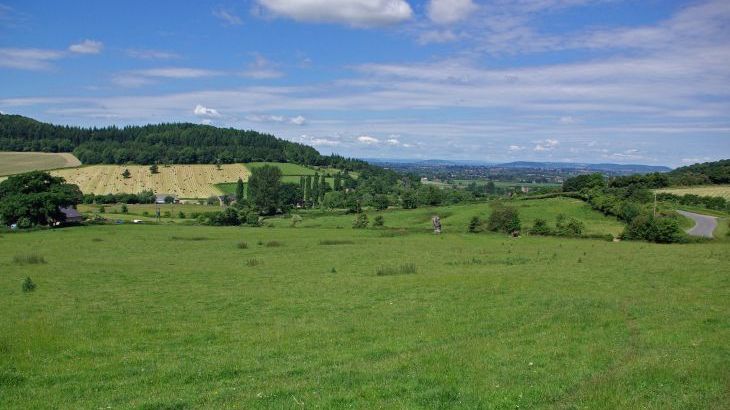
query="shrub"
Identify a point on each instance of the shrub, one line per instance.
(28, 285)
(242, 245)
(124, 209)
(405, 269)
(503, 219)
(167, 214)
(295, 220)
(475, 225)
(659, 230)
(181, 215)
(540, 227)
(381, 202)
(29, 259)
(568, 226)
(361, 222)
(145, 213)
(378, 221)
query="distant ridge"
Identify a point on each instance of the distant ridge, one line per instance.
(606, 167)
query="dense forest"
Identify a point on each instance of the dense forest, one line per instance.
(180, 143)
(707, 173)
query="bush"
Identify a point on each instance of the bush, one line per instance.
(181, 215)
(409, 199)
(295, 220)
(381, 202)
(124, 209)
(503, 219)
(28, 285)
(361, 222)
(540, 227)
(475, 225)
(648, 228)
(568, 226)
(378, 221)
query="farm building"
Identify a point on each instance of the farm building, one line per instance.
(72, 215)
(163, 198)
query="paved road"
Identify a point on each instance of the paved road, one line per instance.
(704, 225)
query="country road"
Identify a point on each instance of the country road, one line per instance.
(704, 225)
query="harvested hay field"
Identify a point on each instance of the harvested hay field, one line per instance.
(19, 162)
(185, 181)
(704, 190)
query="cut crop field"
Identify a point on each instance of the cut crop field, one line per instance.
(174, 317)
(709, 190)
(19, 162)
(185, 181)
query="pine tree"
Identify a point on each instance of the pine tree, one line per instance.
(239, 190)
(315, 189)
(338, 181)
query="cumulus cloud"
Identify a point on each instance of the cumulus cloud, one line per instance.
(450, 11)
(368, 140)
(546, 145)
(358, 13)
(206, 112)
(86, 47)
(227, 17)
(318, 141)
(28, 58)
(298, 120)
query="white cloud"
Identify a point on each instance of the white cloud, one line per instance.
(437, 36)
(227, 17)
(358, 13)
(144, 77)
(261, 69)
(87, 47)
(202, 111)
(28, 58)
(450, 11)
(368, 140)
(514, 148)
(393, 141)
(318, 141)
(567, 120)
(298, 120)
(546, 145)
(147, 54)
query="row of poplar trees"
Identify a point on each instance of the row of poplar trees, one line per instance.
(315, 187)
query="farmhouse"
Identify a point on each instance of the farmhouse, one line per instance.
(162, 198)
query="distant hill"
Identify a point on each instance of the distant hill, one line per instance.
(612, 168)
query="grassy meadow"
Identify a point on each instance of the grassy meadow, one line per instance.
(19, 162)
(173, 316)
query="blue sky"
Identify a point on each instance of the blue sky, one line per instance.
(498, 80)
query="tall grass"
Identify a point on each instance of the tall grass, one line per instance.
(404, 269)
(31, 259)
(336, 242)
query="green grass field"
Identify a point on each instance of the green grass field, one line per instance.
(286, 168)
(456, 218)
(504, 184)
(172, 316)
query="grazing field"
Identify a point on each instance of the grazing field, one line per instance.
(455, 218)
(286, 168)
(199, 317)
(19, 162)
(185, 181)
(708, 190)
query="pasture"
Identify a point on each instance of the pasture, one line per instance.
(185, 181)
(174, 316)
(19, 162)
(703, 190)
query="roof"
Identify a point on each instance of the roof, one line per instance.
(69, 212)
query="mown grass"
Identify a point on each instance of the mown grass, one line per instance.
(140, 321)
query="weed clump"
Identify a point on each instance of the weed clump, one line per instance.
(336, 242)
(404, 269)
(32, 259)
(253, 262)
(189, 238)
(273, 244)
(361, 222)
(28, 285)
(242, 245)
